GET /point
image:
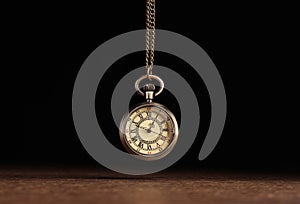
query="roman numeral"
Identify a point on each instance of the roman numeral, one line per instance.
(165, 129)
(133, 131)
(149, 147)
(141, 144)
(163, 138)
(134, 139)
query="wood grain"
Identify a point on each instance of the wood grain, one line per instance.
(79, 185)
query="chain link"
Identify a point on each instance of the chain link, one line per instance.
(150, 35)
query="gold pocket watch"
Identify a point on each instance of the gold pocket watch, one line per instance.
(150, 130)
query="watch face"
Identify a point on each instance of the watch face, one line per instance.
(150, 131)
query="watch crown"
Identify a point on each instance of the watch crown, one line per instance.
(149, 91)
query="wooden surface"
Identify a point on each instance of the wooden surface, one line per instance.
(74, 185)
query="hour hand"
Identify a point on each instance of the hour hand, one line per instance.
(137, 125)
(146, 128)
(143, 127)
(149, 130)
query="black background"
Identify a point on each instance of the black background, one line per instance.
(254, 47)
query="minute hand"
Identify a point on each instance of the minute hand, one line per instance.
(152, 124)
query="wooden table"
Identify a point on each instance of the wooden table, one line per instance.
(96, 185)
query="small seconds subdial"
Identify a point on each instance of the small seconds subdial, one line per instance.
(149, 131)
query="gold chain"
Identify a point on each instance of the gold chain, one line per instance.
(150, 35)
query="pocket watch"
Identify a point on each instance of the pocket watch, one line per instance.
(150, 130)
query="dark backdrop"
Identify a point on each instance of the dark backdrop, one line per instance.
(253, 47)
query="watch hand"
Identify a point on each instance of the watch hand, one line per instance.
(148, 129)
(152, 124)
(155, 132)
(143, 127)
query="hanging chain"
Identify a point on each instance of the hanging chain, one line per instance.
(150, 35)
(150, 40)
